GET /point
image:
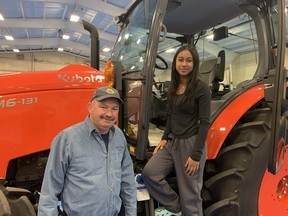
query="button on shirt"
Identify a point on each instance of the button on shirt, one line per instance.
(91, 179)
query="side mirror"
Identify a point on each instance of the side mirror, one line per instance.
(220, 33)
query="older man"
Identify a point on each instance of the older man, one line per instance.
(89, 165)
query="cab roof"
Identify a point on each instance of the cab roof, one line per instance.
(188, 17)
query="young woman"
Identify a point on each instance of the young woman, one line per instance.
(183, 144)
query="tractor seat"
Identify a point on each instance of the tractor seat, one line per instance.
(212, 73)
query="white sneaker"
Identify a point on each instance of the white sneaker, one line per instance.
(161, 211)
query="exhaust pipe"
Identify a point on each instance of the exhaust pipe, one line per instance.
(94, 44)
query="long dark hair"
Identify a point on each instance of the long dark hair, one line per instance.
(193, 77)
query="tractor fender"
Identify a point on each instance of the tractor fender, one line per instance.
(226, 120)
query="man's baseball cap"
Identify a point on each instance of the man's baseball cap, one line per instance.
(106, 92)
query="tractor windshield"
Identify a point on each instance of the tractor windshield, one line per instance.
(130, 47)
(131, 43)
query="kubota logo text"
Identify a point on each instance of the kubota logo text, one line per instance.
(78, 78)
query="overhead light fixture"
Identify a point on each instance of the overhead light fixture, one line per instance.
(210, 37)
(60, 49)
(9, 37)
(66, 37)
(74, 18)
(106, 49)
(170, 50)
(16, 50)
(1, 17)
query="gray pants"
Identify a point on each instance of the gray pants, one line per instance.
(174, 156)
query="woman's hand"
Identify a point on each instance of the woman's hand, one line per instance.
(160, 146)
(191, 166)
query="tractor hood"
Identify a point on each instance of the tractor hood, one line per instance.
(73, 76)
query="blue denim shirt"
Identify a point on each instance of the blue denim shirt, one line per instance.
(91, 181)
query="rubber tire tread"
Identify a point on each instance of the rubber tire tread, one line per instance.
(232, 181)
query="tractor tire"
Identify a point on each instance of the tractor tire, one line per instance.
(15, 206)
(232, 181)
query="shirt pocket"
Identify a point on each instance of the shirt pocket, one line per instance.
(117, 156)
(89, 163)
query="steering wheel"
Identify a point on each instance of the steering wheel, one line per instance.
(162, 60)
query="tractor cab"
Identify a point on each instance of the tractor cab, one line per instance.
(226, 37)
(236, 43)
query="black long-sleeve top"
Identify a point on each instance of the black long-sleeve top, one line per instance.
(186, 120)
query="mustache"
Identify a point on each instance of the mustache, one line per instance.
(109, 118)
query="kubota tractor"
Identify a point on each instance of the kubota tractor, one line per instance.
(244, 64)
(34, 107)
(242, 45)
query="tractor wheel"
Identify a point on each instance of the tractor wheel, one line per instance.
(11, 205)
(233, 180)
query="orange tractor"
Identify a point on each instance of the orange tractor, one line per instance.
(242, 45)
(34, 107)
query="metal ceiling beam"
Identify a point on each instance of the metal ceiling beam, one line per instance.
(96, 5)
(46, 42)
(99, 5)
(53, 24)
(214, 49)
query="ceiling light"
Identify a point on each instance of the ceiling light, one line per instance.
(170, 50)
(60, 49)
(106, 49)
(9, 37)
(74, 18)
(16, 50)
(210, 37)
(66, 37)
(1, 17)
